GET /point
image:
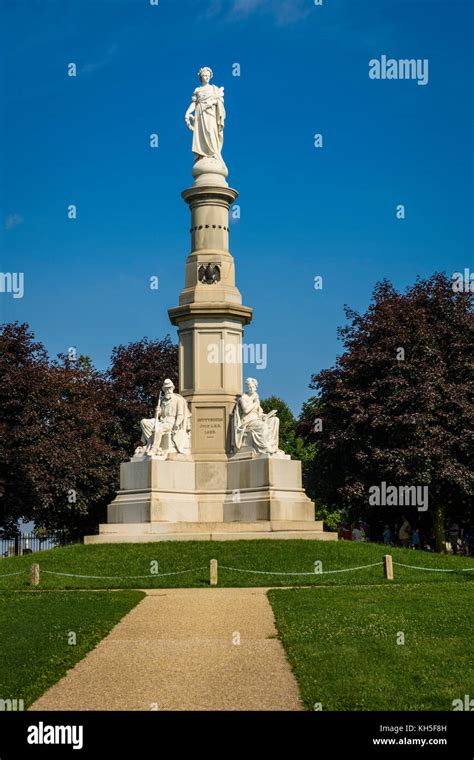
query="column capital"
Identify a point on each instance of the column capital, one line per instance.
(242, 314)
(209, 194)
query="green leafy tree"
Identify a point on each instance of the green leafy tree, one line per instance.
(290, 441)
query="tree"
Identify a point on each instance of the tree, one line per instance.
(65, 428)
(290, 441)
(136, 375)
(307, 427)
(79, 452)
(397, 406)
(23, 390)
(57, 431)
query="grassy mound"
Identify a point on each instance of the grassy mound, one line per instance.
(253, 563)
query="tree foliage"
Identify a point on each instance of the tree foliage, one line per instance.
(290, 441)
(136, 375)
(397, 406)
(65, 428)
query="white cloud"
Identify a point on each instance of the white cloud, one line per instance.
(290, 11)
(283, 12)
(246, 7)
(13, 220)
(88, 68)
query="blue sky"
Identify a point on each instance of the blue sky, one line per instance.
(304, 211)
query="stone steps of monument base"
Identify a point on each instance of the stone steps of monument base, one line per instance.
(267, 526)
(135, 538)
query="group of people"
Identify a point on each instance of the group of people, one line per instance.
(358, 531)
(459, 538)
(408, 537)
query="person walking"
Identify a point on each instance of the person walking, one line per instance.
(387, 535)
(357, 534)
(404, 532)
(345, 532)
(466, 535)
(415, 539)
(453, 536)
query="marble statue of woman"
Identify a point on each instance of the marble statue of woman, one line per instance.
(205, 117)
(252, 428)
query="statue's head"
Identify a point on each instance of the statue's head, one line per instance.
(251, 385)
(205, 75)
(167, 387)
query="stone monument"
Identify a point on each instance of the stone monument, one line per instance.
(209, 465)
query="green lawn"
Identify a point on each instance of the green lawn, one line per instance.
(281, 556)
(342, 645)
(340, 636)
(34, 631)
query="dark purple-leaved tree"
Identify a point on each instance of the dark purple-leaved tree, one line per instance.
(58, 456)
(65, 428)
(398, 405)
(136, 375)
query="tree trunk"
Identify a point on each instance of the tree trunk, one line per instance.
(438, 525)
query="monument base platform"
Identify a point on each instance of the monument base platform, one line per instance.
(173, 500)
(189, 531)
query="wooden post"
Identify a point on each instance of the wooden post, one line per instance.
(34, 574)
(213, 571)
(388, 567)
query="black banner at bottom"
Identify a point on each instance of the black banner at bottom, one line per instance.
(383, 734)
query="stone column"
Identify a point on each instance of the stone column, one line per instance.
(210, 319)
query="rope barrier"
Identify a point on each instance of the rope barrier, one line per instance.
(436, 569)
(244, 570)
(124, 577)
(273, 572)
(6, 575)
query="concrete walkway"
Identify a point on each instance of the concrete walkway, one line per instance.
(175, 651)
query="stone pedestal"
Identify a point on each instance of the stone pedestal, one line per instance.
(257, 497)
(264, 488)
(216, 493)
(153, 490)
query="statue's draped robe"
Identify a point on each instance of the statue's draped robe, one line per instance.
(263, 433)
(208, 125)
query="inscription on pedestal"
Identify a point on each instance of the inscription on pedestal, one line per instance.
(210, 428)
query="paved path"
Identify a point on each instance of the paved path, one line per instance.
(175, 651)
